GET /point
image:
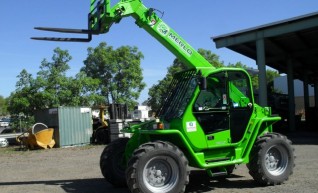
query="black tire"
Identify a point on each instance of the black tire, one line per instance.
(272, 159)
(102, 136)
(112, 164)
(157, 167)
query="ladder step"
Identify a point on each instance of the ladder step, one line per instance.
(217, 160)
(218, 174)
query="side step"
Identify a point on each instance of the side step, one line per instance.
(217, 172)
(217, 160)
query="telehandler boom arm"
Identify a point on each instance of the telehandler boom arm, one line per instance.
(102, 16)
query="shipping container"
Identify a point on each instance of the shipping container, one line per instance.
(72, 125)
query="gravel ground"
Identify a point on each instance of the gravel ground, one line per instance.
(68, 170)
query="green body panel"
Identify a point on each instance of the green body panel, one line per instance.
(200, 152)
(190, 130)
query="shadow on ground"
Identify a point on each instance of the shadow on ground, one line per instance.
(304, 137)
(95, 185)
(199, 183)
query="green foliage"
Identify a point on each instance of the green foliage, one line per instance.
(51, 88)
(21, 123)
(52, 80)
(254, 77)
(84, 90)
(22, 100)
(3, 106)
(118, 71)
(114, 73)
(270, 76)
(158, 91)
(211, 57)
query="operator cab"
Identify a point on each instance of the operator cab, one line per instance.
(225, 103)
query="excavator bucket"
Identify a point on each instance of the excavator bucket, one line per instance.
(97, 11)
(40, 136)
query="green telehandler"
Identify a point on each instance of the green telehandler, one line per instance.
(209, 119)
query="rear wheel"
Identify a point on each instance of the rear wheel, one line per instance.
(272, 159)
(112, 163)
(157, 167)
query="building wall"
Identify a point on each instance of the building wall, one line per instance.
(280, 84)
(300, 105)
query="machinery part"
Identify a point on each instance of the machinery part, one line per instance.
(96, 12)
(221, 173)
(272, 159)
(157, 167)
(102, 135)
(65, 30)
(4, 142)
(230, 169)
(112, 162)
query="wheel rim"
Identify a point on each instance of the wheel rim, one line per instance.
(161, 174)
(276, 160)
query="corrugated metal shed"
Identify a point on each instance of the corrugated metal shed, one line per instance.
(72, 125)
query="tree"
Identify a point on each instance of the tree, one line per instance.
(22, 100)
(118, 71)
(270, 76)
(158, 91)
(52, 88)
(3, 106)
(52, 80)
(84, 90)
(254, 76)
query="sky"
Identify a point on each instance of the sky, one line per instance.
(196, 21)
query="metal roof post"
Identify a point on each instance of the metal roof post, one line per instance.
(316, 94)
(306, 95)
(262, 72)
(291, 95)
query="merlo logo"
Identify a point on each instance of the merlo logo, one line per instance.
(163, 28)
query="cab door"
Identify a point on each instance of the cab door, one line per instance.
(224, 108)
(241, 103)
(211, 109)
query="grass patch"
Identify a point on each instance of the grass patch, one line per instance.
(9, 150)
(15, 149)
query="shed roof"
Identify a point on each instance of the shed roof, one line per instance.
(295, 38)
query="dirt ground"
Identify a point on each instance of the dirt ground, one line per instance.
(76, 170)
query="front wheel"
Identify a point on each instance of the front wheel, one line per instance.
(272, 159)
(157, 167)
(112, 163)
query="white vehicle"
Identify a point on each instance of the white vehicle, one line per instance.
(4, 124)
(4, 142)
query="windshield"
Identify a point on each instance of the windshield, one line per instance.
(179, 95)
